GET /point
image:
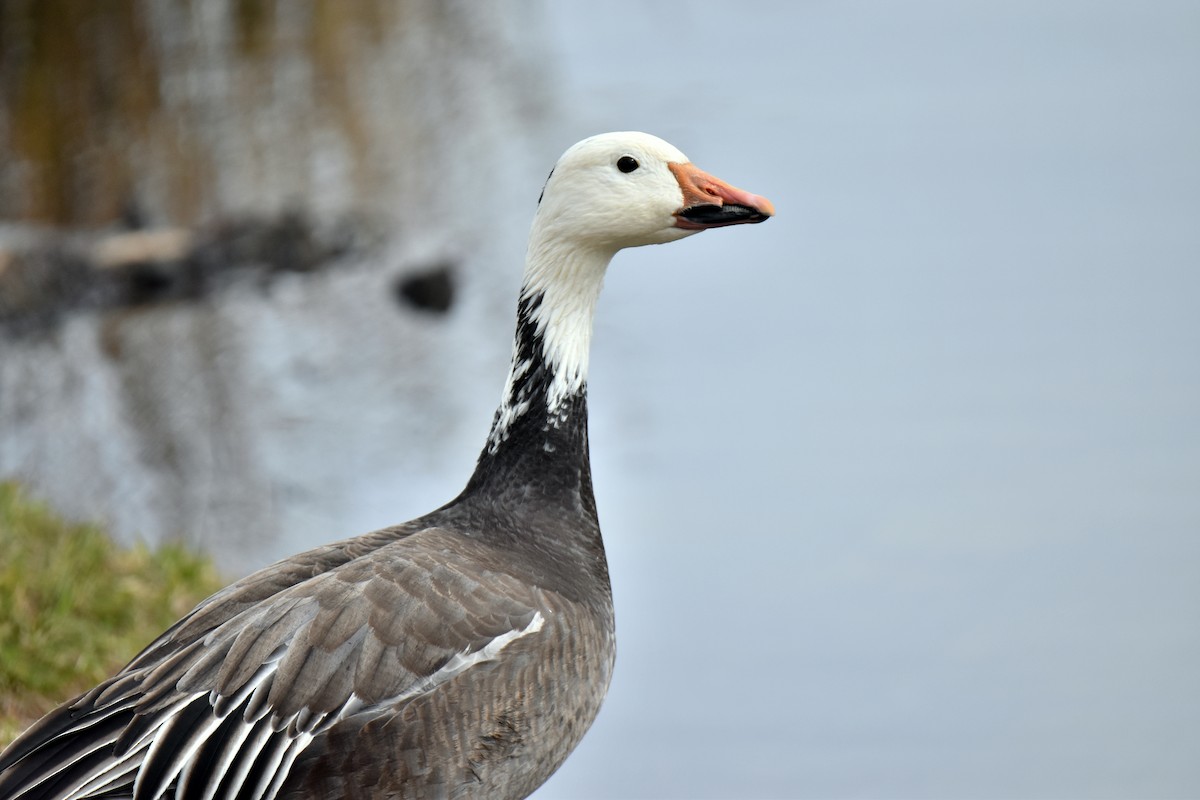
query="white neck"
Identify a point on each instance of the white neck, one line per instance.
(569, 281)
(567, 275)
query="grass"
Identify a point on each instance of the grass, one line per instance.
(75, 606)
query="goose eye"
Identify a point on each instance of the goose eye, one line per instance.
(627, 163)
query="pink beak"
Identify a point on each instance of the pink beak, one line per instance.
(709, 202)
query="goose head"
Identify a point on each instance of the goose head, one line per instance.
(627, 189)
(608, 192)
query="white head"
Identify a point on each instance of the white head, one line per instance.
(627, 189)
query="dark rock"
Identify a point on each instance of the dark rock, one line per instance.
(430, 290)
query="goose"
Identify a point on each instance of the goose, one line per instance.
(459, 655)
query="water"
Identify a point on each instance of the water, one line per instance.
(282, 409)
(900, 489)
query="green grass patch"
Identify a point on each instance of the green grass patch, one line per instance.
(75, 606)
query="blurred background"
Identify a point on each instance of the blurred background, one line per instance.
(901, 490)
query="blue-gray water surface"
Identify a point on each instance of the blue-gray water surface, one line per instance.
(902, 489)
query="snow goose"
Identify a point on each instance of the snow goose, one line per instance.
(459, 655)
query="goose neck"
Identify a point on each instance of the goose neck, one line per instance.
(555, 313)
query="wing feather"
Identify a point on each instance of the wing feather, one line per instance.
(262, 769)
(145, 724)
(243, 757)
(175, 742)
(119, 774)
(261, 633)
(77, 759)
(221, 709)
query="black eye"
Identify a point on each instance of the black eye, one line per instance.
(627, 163)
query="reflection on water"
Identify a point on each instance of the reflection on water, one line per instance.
(178, 367)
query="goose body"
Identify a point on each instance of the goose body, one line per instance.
(460, 655)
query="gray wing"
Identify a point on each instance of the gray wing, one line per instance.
(222, 703)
